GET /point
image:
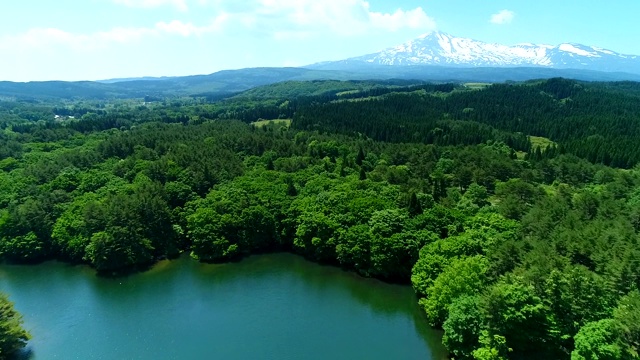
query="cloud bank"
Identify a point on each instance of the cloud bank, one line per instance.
(280, 19)
(176, 37)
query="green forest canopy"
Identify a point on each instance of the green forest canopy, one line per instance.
(516, 251)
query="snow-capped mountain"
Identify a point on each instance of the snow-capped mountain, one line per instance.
(438, 48)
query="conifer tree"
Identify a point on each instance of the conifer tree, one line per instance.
(363, 174)
(360, 156)
(414, 205)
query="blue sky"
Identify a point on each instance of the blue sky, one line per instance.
(100, 39)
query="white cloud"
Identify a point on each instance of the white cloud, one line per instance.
(308, 17)
(413, 19)
(189, 29)
(178, 4)
(286, 19)
(279, 19)
(241, 33)
(43, 38)
(283, 18)
(502, 17)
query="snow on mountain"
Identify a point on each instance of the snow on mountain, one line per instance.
(438, 48)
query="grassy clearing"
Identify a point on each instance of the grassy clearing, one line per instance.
(358, 99)
(349, 92)
(476, 86)
(263, 123)
(393, 93)
(540, 142)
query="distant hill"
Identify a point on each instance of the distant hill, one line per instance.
(226, 83)
(222, 82)
(469, 74)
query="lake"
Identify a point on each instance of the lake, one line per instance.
(276, 306)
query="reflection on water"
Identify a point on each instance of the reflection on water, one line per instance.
(266, 307)
(25, 354)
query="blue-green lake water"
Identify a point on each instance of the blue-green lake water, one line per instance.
(277, 306)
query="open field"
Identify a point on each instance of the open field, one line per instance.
(262, 123)
(540, 142)
(476, 86)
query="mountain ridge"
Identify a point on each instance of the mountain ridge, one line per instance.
(440, 48)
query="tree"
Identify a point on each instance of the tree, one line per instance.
(363, 174)
(599, 340)
(436, 255)
(609, 339)
(354, 249)
(627, 314)
(392, 256)
(12, 336)
(477, 194)
(461, 277)
(574, 296)
(464, 177)
(208, 235)
(73, 229)
(118, 249)
(385, 223)
(316, 236)
(494, 347)
(426, 270)
(516, 197)
(360, 157)
(462, 329)
(513, 310)
(415, 208)
(291, 189)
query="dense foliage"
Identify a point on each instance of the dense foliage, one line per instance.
(12, 336)
(516, 249)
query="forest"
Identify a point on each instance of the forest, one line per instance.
(512, 209)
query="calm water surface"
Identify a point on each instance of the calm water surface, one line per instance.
(265, 307)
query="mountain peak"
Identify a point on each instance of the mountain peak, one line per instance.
(440, 48)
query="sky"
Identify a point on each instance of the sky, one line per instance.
(104, 39)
